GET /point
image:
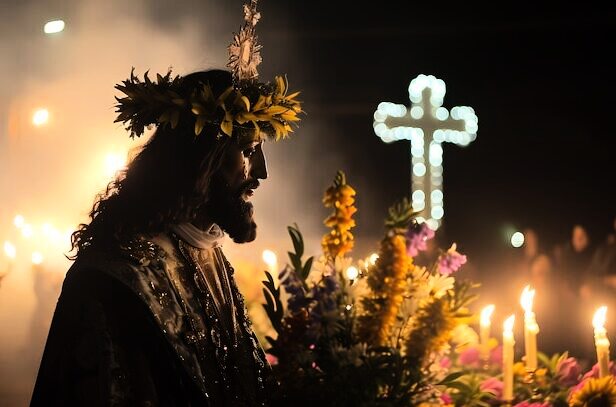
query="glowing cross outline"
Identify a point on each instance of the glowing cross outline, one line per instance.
(393, 122)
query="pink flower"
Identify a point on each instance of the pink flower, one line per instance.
(450, 261)
(470, 357)
(496, 356)
(594, 372)
(568, 372)
(417, 238)
(492, 385)
(446, 398)
(445, 362)
(271, 359)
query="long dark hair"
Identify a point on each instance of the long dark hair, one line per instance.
(167, 182)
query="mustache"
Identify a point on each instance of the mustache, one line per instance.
(250, 184)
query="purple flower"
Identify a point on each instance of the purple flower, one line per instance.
(417, 238)
(568, 372)
(294, 288)
(494, 386)
(450, 261)
(529, 404)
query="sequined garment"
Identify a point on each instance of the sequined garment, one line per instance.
(158, 322)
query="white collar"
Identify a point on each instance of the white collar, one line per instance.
(201, 239)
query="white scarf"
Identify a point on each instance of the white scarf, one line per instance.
(199, 238)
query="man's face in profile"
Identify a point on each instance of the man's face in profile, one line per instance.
(232, 187)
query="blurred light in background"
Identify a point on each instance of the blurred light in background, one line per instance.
(114, 163)
(40, 117)
(37, 258)
(53, 27)
(373, 258)
(352, 273)
(26, 231)
(270, 258)
(19, 221)
(517, 239)
(10, 250)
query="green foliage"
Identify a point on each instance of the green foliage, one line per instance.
(401, 215)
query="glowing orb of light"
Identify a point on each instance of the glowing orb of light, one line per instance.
(10, 250)
(37, 258)
(373, 258)
(53, 27)
(517, 239)
(19, 221)
(269, 257)
(40, 117)
(27, 231)
(114, 163)
(352, 273)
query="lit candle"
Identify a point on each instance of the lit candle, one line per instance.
(485, 324)
(602, 344)
(508, 358)
(531, 329)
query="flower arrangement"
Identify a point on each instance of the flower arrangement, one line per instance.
(388, 331)
(559, 381)
(373, 337)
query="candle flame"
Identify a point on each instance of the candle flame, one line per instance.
(10, 250)
(526, 300)
(269, 257)
(599, 319)
(486, 314)
(508, 324)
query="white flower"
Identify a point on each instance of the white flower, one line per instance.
(464, 335)
(440, 284)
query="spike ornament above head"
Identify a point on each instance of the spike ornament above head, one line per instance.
(244, 51)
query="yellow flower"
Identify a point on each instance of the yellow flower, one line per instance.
(519, 369)
(595, 393)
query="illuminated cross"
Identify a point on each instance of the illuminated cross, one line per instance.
(427, 124)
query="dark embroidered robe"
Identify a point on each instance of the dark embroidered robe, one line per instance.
(151, 324)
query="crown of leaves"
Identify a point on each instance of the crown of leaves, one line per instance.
(248, 104)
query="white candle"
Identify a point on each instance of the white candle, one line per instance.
(508, 358)
(602, 344)
(531, 329)
(485, 324)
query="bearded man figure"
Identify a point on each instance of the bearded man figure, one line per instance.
(150, 314)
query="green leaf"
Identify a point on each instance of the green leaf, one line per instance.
(273, 306)
(451, 377)
(306, 268)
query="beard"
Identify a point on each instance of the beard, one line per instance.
(228, 209)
